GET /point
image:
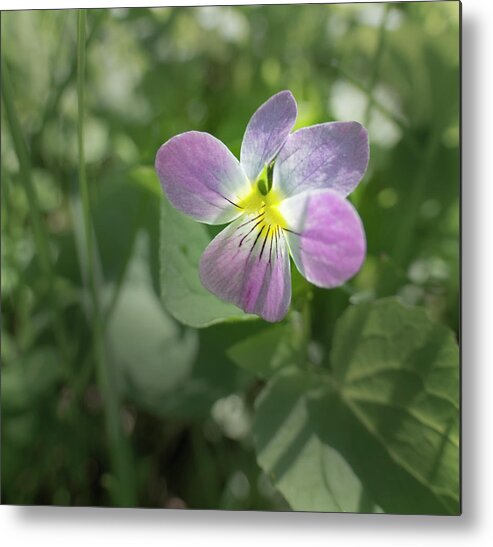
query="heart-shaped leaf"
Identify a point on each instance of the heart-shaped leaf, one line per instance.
(183, 241)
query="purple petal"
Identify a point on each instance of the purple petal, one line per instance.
(248, 264)
(266, 132)
(326, 237)
(201, 177)
(330, 155)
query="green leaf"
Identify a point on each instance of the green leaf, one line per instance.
(182, 243)
(275, 347)
(153, 353)
(384, 424)
(127, 204)
(311, 474)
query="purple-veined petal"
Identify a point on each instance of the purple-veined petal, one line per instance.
(325, 236)
(266, 132)
(201, 177)
(330, 155)
(248, 264)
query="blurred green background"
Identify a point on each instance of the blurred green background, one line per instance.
(173, 415)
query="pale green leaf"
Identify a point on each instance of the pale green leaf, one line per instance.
(182, 243)
(311, 474)
(153, 353)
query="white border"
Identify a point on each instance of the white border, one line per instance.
(121, 528)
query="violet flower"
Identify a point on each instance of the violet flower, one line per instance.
(286, 196)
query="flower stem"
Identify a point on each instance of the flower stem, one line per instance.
(403, 242)
(41, 237)
(123, 492)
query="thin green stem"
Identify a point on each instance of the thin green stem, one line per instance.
(84, 190)
(41, 237)
(58, 89)
(409, 137)
(306, 317)
(376, 63)
(376, 103)
(405, 233)
(406, 229)
(123, 492)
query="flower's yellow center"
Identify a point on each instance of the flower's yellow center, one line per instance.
(266, 206)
